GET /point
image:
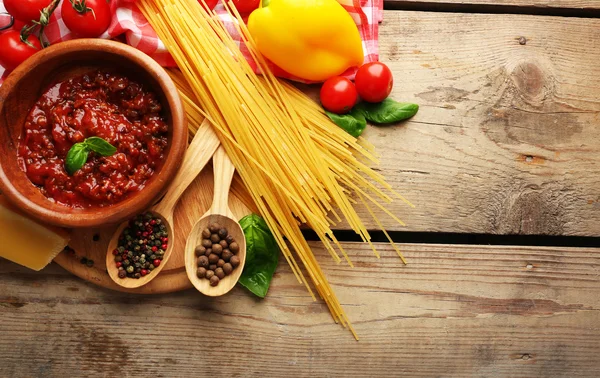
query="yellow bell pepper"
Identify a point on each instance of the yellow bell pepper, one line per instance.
(311, 39)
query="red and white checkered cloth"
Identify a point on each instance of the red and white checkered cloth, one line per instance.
(129, 25)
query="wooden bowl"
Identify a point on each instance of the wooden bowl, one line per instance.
(25, 85)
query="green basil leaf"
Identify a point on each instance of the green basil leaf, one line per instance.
(354, 122)
(76, 157)
(262, 255)
(100, 146)
(387, 111)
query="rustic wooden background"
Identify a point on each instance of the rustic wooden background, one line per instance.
(507, 142)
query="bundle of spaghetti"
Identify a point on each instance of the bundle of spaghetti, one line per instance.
(297, 165)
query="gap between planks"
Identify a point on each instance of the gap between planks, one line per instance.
(563, 8)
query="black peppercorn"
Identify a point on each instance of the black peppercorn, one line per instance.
(213, 258)
(235, 261)
(203, 261)
(217, 249)
(229, 239)
(222, 233)
(214, 228)
(122, 274)
(200, 250)
(226, 255)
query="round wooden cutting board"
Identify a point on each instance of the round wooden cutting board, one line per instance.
(92, 243)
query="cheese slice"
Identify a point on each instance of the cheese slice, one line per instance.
(27, 242)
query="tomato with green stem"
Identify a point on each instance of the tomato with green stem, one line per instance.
(26, 10)
(86, 18)
(16, 47)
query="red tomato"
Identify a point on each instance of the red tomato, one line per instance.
(210, 3)
(13, 51)
(246, 6)
(338, 95)
(26, 10)
(86, 18)
(374, 82)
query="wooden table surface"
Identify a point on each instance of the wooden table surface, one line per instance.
(505, 148)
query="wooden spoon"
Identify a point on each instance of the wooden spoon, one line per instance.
(218, 213)
(199, 152)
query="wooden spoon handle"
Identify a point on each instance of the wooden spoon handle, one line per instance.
(223, 174)
(199, 152)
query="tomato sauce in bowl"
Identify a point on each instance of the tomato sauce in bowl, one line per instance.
(100, 104)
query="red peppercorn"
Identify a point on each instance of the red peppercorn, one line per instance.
(143, 272)
(115, 252)
(164, 246)
(139, 233)
(119, 264)
(154, 248)
(145, 234)
(156, 262)
(164, 240)
(124, 256)
(153, 222)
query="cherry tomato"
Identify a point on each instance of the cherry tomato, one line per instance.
(13, 51)
(246, 6)
(210, 3)
(374, 82)
(26, 10)
(338, 95)
(86, 18)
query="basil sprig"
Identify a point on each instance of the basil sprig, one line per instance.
(354, 122)
(79, 152)
(387, 111)
(382, 113)
(262, 255)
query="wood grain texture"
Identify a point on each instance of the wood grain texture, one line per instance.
(506, 140)
(453, 311)
(564, 4)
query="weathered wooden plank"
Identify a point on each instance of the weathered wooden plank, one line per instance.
(453, 311)
(507, 139)
(486, 4)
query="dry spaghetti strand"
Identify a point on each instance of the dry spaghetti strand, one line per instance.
(298, 167)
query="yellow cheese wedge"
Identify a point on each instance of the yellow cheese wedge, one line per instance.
(27, 242)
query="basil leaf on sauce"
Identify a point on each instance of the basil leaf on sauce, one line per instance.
(100, 146)
(76, 158)
(79, 152)
(387, 111)
(262, 255)
(354, 122)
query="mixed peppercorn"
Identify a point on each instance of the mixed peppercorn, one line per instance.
(141, 247)
(217, 254)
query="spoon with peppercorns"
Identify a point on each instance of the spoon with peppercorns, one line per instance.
(215, 251)
(141, 247)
